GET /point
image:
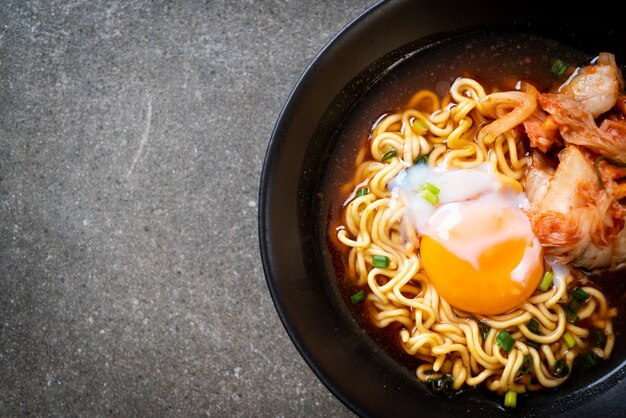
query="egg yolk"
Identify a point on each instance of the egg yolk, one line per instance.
(491, 288)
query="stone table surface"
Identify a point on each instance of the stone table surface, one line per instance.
(132, 138)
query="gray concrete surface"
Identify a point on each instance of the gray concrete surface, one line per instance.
(132, 136)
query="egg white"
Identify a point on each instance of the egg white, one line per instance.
(475, 195)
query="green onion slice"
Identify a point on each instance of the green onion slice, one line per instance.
(586, 362)
(422, 159)
(533, 344)
(572, 316)
(429, 196)
(420, 127)
(560, 369)
(570, 342)
(381, 261)
(389, 155)
(510, 399)
(574, 305)
(599, 337)
(527, 364)
(559, 68)
(579, 295)
(443, 384)
(533, 326)
(484, 329)
(358, 297)
(505, 341)
(362, 192)
(546, 281)
(431, 187)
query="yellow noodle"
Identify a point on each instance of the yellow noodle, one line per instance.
(466, 128)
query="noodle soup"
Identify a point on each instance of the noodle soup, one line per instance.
(437, 221)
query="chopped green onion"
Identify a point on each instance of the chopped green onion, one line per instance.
(362, 192)
(422, 159)
(586, 362)
(429, 196)
(533, 344)
(559, 68)
(599, 337)
(510, 399)
(429, 186)
(574, 305)
(533, 326)
(527, 364)
(389, 155)
(579, 295)
(443, 384)
(420, 127)
(570, 342)
(381, 261)
(484, 329)
(572, 316)
(560, 369)
(358, 297)
(505, 341)
(546, 281)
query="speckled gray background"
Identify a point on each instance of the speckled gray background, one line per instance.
(132, 136)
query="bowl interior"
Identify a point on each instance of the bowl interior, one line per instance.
(294, 207)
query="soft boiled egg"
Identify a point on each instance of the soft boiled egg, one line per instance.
(477, 246)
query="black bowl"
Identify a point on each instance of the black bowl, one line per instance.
(292, 216)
